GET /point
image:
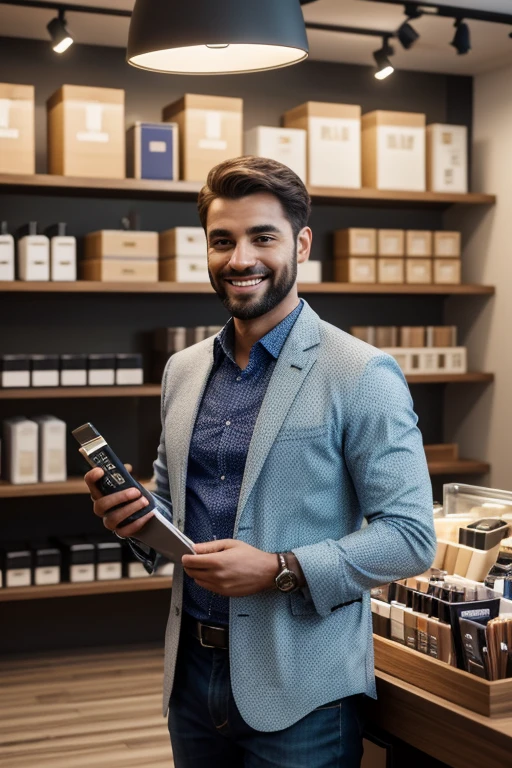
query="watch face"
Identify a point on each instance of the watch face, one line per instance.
(286, 581)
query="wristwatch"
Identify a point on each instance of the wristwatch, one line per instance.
(286, 580)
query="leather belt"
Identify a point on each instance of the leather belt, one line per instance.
(210, 636)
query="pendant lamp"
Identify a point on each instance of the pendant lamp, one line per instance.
(199, 37)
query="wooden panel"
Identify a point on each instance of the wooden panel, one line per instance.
(38, 393)
(459, 467)
(69, 487)
(474, 377)
(145, 584)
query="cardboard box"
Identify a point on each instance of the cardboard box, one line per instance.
(447, 271)
(355, 242)
(394, 150)
(412, 336)
(286, 145)
(184, 269)
(386, 336)
(17, 139)
(447, 158)
(121, 243)
(418, 244)
(391, 243)
(333, 142)
(390, 271)
(355, 270)
(113, 270)
(418, 271)
(86, 133)
(309, 272)
(210, 130)
(441, 336)
(364, 333)
(447, 245)
(20, 448)
(152, 151)
(182, 241)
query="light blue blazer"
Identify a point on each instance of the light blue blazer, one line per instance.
(335, 441)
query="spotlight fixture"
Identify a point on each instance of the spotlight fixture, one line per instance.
(407, 35)
(59, 33)
(226, 37)
(384, 65)
(462, 38)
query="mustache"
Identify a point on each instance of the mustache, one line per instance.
(249, 272)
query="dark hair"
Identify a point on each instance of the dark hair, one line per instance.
(242, 176)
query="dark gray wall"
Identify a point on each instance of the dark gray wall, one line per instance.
(116, 322)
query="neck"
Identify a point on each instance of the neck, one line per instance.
(248, 332)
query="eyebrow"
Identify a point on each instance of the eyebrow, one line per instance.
(260, 229)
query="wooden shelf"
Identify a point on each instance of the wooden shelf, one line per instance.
(85, 286)
(70, 487)
(458, 467)
(40, 393)
(145, 584)
(186, 190)
(473, 377)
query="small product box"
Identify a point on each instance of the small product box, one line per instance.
(333, 142)
(183, 255)
(73, 370)
(44, 370)
(391, 243)
(121, 255)
(20, 449)
(418, 244)
(412, 336)
(109, 563)
(86, 132)
(441, 336)
(101, 370)
(386, 336)
(78, 559)
(129, 369)
(62, 253)
(17, 559)
(152, 151)
(210, 129)
(52, 449)
(394, 151)
(33, 254)
(6, 253)
(390, 271)
(444, 360)
(286, 145)
(132, 566)
(17, 129)
(15, 371)
(364, 333)
(447, 158)
(355, 242)
(447, 271)
(447, 245)
(46, 560)
(418, 271)
(355, 270)
(309, 272)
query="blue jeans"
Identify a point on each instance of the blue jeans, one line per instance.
(207, 730)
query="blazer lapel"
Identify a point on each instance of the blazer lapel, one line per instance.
(293, 365)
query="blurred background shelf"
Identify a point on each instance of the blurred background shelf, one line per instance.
(459, 467)
(67, 589)
(70, 487)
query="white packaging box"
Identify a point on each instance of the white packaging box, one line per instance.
(108, 560)
(394, 147)
(286, 145)
(18, 571)
(101, 371)
(6, 253)
(63, 258)
(429, 360)
(34, 257)
(129, 369)
(52, 449)
(447, 158)
(136, 570)
(184, 269)
(44, 370)
(333, 142)
(15, 371)
(309, 272)
(20, 446)
(46, 564)
(182, 241)
(73, 370)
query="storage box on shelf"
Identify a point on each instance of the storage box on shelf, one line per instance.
(152, 151)
(447, 158)
(17, 129)
(286, 145)
(121, 255)
(394, 150)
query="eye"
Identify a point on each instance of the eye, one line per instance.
(264, 239)
(221, 243)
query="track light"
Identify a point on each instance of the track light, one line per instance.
(384, 65)
(407, 35)
(59, 33)
(462, 38)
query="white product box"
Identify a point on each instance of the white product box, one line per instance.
(34, 257)
(394, 151)
(63, 258)
(182, 241)
(6, 253)
(82, 572)
(20, 447)
(429, 360)
(136, 570)
(44, 370)
(46, 563)
(447, 158)
(286, 145)
(15, 371)
(129, 369)
(101, 370)
(184, 269)
(309, 272)
(52, 449)
(73, 370)
(108, 560)
(333, 142)
(18, 570)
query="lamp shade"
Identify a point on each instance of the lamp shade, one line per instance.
(197, 37)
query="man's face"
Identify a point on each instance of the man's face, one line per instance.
(252, 254)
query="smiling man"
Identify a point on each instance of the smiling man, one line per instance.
(279, 437)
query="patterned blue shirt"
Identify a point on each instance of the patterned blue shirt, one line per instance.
(218, 449)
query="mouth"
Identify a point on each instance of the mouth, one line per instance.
(246, 284)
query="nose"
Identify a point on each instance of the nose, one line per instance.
(242, 257)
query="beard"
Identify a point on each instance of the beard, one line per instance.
(251, 307)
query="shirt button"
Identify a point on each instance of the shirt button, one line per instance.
(239, 378)
(228, 423)
(223, 477)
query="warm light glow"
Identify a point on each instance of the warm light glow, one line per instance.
(218, 45)
(211, 59)
(63, 45)
(383, 73)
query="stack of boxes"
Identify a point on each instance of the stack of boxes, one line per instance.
(183, 255)
(17, 135)
(121, 255)
(76, 370)
(34, 450)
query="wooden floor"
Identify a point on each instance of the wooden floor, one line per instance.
(94, 709)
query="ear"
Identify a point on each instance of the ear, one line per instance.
(304, 242)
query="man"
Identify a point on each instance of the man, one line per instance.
(278, 437)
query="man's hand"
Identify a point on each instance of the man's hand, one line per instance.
(131, 499)
(231, 568)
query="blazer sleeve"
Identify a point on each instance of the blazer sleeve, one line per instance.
(383, 451)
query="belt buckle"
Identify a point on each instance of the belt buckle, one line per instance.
(206, 626)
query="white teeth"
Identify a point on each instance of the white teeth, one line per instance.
(243, 283)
